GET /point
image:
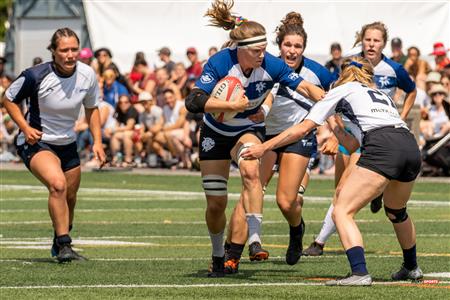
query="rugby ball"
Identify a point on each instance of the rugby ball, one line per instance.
(227, 89)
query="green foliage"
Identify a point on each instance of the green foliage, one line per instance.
(4, 5)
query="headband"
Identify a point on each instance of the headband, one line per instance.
(356, 64)
(252, 42)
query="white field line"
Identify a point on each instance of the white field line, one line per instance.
(244, 259)
(184, 195)
(441, 275)
(205, 237)
(170, 222)
(190, 286)
(106, 210)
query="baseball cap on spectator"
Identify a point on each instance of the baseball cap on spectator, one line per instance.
(144, 96)
(438, 88)
(97, 52)
(396, 43)
(433, 77)
(164, 50)
(335, 46)
(86, 53)
(191, 50)
(438, 49)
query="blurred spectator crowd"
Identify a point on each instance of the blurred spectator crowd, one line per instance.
(145, 122)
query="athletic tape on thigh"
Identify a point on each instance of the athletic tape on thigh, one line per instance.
(241, 149)
(400, 214)
(214, 185)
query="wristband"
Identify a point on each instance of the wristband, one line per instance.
(265, 110)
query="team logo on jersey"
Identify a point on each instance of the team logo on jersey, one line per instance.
(293, 76)
(208, 144)
(260, 87)
(206, 78)
(383, 81)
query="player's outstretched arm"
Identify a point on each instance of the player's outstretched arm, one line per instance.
(310, 91)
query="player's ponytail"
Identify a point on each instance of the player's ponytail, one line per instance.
(241, 29)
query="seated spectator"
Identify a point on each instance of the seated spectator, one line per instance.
(180, 78)
(151, 121)
(163, 83)
(437, 114)
(86, 56)
(334, 65)
(212, 50)
(104, 62)
(397, 52)
(440, 56)
(8, 131)
(173, 134)
(143, 80)
(416, 67)
(112, 89)
(126, 117)
(195, 69)
(37, 60)
(164, 55)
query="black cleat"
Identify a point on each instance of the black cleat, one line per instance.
(256, 252)
(405, 274)
(315, 249)
(376, 204)
(231, 266)
(294, 250)
(66, 254)
(216, 268)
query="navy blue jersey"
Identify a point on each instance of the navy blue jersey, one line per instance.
(257, 85)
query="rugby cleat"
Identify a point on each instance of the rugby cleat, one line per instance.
(67, 254)
(351, 280)
(256, 252)
(376, 204)
(231, 266)
(216, 268)
(294, 250)
(315, 249)
(405, 274)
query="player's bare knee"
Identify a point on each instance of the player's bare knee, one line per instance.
(396, 215)
(57, 185)
(286, 206)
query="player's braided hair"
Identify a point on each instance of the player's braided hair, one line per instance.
(61, 32)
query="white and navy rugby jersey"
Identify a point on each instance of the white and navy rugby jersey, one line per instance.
(365, 107)
(54, 101)
(388, 75)
(257, 86)
(290, 107)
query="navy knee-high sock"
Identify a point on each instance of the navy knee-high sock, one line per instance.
(357, 260)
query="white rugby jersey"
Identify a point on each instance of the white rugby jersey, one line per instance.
(290, 107)
(365, 107)
(54, 101)
(388, 75)
(257, 86)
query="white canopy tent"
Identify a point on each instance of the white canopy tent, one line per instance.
(130, 26)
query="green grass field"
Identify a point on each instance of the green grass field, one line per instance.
(145, 237)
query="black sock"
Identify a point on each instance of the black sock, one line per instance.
(63, 239)
(54, 233)
(410, 258)
(357, 260)
(226, 246)
(295, 231)
(236, 250)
